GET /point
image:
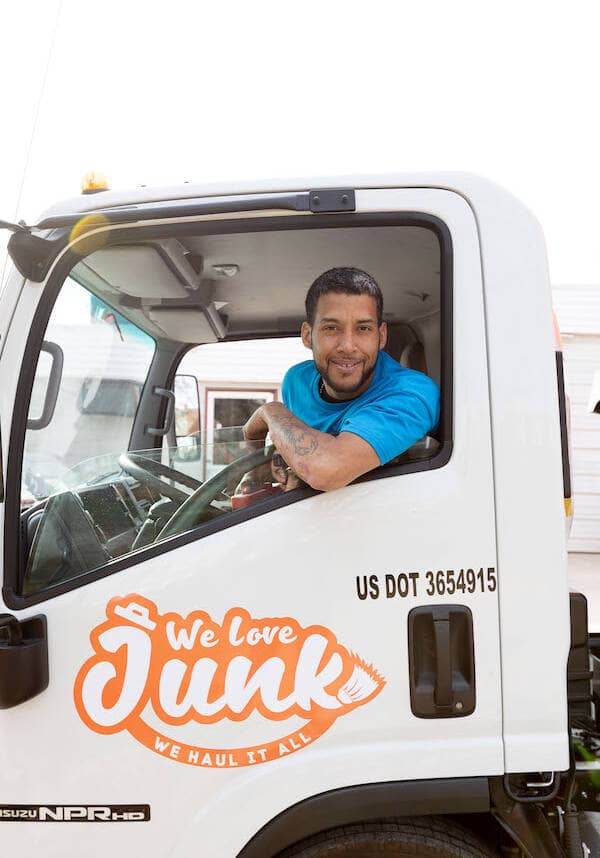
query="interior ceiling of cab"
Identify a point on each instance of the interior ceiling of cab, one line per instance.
(170, 288)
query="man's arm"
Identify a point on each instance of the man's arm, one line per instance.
(323, 461)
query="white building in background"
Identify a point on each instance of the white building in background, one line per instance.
(578, 312)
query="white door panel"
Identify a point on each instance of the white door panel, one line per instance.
(296, 565)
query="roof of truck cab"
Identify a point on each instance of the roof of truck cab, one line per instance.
(474, 188)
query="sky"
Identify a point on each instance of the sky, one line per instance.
(162, 93)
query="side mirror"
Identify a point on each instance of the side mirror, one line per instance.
(187, 419)
(187, 406)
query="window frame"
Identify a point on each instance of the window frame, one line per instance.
(236, 393)
(13, 554)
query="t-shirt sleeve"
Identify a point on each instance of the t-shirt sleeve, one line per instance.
(295, 388)
(396, 422)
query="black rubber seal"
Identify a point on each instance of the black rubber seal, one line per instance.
(564, 432)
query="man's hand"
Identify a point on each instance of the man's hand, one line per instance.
(256, 427)
(323, 461)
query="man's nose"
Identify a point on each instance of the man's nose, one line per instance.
(346, 342)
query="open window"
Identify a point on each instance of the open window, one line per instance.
(170, 341)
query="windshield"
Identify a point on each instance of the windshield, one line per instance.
(83, 413)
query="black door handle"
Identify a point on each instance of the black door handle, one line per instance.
(441, 661)
(443, 673)
(23, 659)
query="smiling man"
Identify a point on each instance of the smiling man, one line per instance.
(352, 407)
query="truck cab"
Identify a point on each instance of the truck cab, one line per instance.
(184, 672)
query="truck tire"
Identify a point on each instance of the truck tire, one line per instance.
(423, 837)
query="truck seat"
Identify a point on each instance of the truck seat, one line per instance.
(405, 347)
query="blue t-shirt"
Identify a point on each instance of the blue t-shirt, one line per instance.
(399, 406)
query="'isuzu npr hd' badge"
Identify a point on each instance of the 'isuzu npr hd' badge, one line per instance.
(175, 670)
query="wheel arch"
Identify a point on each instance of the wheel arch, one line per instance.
(366, 802)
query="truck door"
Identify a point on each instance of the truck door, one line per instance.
(200, 684)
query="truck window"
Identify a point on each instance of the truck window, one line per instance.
(135, 433)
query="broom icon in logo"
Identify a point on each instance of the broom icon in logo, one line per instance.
(364, 682)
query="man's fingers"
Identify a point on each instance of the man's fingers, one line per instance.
(251, 444)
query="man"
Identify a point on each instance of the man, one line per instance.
(352, 407)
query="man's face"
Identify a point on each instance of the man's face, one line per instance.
(345, 340)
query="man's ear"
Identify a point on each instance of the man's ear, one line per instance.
(382, 335)
(306, 334)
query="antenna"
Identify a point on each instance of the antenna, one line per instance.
(34, 129)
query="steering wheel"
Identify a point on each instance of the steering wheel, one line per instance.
(192, 509)
(155, 475)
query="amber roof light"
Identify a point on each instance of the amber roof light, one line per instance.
(93, 183)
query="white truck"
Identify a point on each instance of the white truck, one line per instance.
(377, 669)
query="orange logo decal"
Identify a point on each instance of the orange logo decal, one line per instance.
(149, 667)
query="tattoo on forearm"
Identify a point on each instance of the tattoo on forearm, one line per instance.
(302, 441)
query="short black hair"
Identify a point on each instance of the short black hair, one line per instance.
(346, 281)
